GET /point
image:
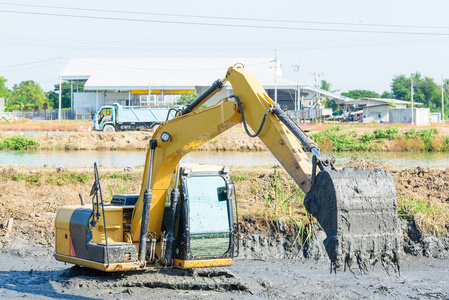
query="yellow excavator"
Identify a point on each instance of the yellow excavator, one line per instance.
(184, 215)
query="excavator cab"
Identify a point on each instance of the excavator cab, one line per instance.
(204, 219)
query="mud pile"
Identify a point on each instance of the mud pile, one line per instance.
(424, 183)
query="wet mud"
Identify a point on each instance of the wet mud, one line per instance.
(270, 265)
(34, 274)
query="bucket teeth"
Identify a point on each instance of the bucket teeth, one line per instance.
(357, 209)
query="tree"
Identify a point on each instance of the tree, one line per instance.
(27, 93)
(187, 98)
(359, 94)
(386, 95)
(66, 100)
(326, 100)
(4, 92)
(425, 90)
(325, 85)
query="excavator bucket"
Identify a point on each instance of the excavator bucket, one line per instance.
(357, 209)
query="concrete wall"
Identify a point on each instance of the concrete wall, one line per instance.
(2, 105)
(421, 116)
(376, 114)
(435, 117)
(88, 102)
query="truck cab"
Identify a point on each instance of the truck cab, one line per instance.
(105, 119)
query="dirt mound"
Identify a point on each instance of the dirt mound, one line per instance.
(431, 184)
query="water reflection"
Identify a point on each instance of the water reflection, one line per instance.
(253, 159)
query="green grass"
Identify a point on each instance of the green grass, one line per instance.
(66, 178)
(239, 176)
(119, 188)
(115, 175)
(18, 177)
(408, 209)
(333, 139)
(35, 178)
(429, 217)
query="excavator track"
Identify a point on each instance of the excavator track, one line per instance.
(358, 211)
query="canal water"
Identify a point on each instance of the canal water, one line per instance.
(137, 158)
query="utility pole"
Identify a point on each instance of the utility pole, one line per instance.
(149, 95)
(411, 93)
(298, 103)
(318, 85)
(275, 77)
(60, 88)
(442, 99)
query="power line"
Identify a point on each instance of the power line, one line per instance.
(30, 63)
(227, 18)
(226, 25)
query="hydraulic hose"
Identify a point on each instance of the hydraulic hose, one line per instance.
(212, 90)
(147, 198)
(244, 121)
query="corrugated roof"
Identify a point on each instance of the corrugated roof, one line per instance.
(165, 73)
(316, 90)
(372, 101)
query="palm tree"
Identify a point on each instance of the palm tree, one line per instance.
(325, 85)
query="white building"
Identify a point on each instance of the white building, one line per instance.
(383, 110)
(161, 81)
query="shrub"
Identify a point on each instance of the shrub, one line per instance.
(368, 137)
(18, 177)
(341, 141)
(389, 133)
(18, 143)
(35, 178)
(426, 136)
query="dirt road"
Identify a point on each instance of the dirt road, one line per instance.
(35, 274)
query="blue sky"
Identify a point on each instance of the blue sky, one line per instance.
(355, 44)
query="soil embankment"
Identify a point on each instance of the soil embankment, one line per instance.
(329, 138)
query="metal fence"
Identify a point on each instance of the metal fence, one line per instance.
(78, 114)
